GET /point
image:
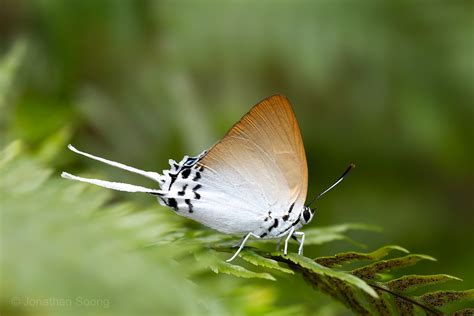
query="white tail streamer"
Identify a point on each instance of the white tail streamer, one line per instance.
(149, 174)
(112, 185)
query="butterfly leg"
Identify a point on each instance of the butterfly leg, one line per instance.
(279, 244)
(237, 244)
(242, 244)
(301, 242)
(290, 233)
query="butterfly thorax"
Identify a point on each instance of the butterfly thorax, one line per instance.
(278, 226)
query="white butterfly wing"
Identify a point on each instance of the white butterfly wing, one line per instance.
(258, 168)
(256, 174)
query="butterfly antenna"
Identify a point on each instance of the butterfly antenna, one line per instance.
(351, 166)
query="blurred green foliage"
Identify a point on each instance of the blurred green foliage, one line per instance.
(388, 85)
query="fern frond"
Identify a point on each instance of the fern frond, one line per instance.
(371, 271)
(348, 257)
(413, 282)
(219, 266)
(362, 289)
(252, 257)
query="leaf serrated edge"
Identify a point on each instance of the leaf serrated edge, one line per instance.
(441, 298)
(402, 284)
(216, 265)
(464, 312)
(369, 271)
(258, 260)
(238, 271)
(341, 228)
(326, 238)
(348, 257)
(319, 269)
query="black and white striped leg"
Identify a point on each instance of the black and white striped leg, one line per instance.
(301, 241)
(242, 244)
(290, 233)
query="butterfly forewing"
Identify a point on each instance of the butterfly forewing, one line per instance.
(257, 168)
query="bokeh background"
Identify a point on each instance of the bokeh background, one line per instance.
(387, 85)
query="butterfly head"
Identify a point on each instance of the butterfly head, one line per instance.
(306, 215)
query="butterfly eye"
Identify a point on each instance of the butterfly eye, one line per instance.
(306, 215)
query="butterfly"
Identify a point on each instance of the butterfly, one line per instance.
(252, 183)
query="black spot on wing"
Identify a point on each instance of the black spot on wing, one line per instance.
(185, 173)
(189, 204)
(173, 179)
(275, 225)
(263, 235)
(197, 176)
(269, 216)
(183, 191)
(197, 196)
(285, 217)
(291, 208)
(172, 203)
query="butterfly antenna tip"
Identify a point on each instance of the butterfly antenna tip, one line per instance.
(351, 166)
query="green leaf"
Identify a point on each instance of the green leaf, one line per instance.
(441, 298)
(347, 257)
(464, 312)
(369, 272)
(337, 230)
(9, 65)
(321, 235)
(11, 151)
(413, 282)
(404, 307)
(210, 259)
(258, 260)
(312, 266)
(238, 271)
(312, 238)
(342, 228)
(382, 303)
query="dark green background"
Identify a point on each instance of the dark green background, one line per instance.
(389, 86)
